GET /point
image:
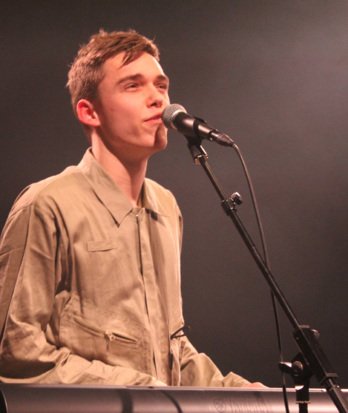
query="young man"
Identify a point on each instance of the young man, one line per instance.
(90, 258)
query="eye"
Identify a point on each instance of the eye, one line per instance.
(163, 86)
(131, 85)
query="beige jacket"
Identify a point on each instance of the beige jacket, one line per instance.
(96, 295)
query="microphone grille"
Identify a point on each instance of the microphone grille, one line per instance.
(170, 113)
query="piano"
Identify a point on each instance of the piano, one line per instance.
(25, 398)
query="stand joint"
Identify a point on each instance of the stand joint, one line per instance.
(301, 373)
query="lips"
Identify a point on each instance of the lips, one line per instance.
(155, 118)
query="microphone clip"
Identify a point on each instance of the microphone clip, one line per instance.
(197, 151)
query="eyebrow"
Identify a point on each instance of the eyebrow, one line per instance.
(139, 76)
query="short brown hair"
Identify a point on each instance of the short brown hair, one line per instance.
(86, 73)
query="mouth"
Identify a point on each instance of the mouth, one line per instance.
(155, 118)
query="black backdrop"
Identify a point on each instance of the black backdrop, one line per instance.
(271, 73)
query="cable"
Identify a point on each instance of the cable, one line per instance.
(267, 261)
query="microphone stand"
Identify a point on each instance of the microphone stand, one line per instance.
(311, 359)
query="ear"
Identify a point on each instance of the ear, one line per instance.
(86, 113)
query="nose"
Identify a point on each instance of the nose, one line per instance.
(156, 97)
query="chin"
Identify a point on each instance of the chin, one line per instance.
(161, 140)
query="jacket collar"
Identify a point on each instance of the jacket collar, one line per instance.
(111, 195)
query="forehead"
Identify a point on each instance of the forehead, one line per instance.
(144, 64)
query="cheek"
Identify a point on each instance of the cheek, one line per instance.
(130, 109)
(118, 115)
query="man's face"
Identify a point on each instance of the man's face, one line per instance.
(131, 99)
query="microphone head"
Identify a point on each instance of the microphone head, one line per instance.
(170, 113)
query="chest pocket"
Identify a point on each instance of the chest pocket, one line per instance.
(103, 245)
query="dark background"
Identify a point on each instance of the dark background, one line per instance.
(271, 73)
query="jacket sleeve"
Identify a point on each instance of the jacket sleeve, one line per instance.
(197, 369)
(30, 260)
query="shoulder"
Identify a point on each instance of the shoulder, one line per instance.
(49, 190)
(36, 207)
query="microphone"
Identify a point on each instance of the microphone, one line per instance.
(175, 117)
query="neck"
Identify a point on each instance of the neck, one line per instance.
(128, 174)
